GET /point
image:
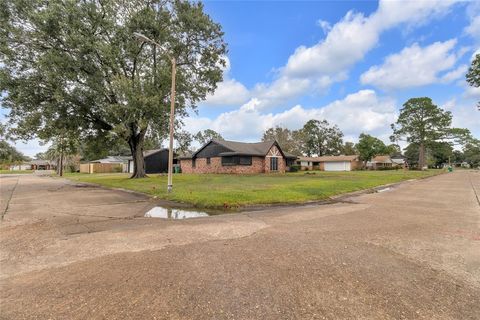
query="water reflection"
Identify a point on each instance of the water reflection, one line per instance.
(169, 213)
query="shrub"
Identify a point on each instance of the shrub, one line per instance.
(294, 168)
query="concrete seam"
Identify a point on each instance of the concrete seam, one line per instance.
(9, 199)
(474, 190)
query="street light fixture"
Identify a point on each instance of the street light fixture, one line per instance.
(144, 38)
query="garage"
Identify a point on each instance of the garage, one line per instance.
(337, 166)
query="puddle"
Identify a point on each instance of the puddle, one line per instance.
(383, 190)
(169, 213)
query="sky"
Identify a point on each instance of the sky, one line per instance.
(353, 63)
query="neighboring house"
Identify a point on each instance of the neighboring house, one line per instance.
(330, 163)
(106, 165)
(23, 166)
(36, 164)
(156, 161)
(399, 160)
(385, 161)
(112, 159)
(222, 156)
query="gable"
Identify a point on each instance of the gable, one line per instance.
(212, 149)
(274, 152)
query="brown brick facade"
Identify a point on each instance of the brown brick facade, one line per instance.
(216, 166)
(259, 165)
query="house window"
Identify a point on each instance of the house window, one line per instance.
(236, 160)
(245, 161)
(228, 161)
(273, 164)
(193, 163)
(208, 160)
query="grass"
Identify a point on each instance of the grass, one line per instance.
(15, 171)
(230, 191)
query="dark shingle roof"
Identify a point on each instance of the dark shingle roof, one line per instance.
(242, 148)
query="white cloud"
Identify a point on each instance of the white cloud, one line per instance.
(455, 74)
(415, 66)
(473, 13)
(474, 28)
(229, 92)
(31, 147)
(472, 92)
(346, 43)
(325, 25)
(315, 68)
(362, 111)
(464, 115)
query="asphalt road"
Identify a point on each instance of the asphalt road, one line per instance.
(72, 251)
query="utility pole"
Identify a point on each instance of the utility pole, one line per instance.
(144, 38)
(172, 115)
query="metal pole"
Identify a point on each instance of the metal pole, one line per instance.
(172, 113)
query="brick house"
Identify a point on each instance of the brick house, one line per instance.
(221, 156)
(330, 163)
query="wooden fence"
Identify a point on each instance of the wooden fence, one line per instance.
(100, 167)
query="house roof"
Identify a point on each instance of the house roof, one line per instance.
(242, 148)
(382, 159)
(329, 158)
(147, 153)
(112, 159)
(39, 162)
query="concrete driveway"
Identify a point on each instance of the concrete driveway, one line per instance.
(71, 251)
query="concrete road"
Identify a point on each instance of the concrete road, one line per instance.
(71, 251)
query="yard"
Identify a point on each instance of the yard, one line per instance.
(230, 191)
(6, 171)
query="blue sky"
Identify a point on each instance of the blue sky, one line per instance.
(353, 63)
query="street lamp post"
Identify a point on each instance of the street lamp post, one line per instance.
(172, 106)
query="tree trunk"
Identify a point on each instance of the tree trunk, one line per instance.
(136, 148)
(421, 156)
(61, 163)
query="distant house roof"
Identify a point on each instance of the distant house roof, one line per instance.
(112, 159)
(382, 159)
(124, 159)
(39, 162)
(329, 158)
(148, 153)
(398, 156)
(236, 148)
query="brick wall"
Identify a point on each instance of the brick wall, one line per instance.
(281, 165)
(356, 165)
(215, 166)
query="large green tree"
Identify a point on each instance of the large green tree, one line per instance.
(320, 138)
(471, 152)
(184, 141)
(349, 149)
(206, 135)
(423, 123)
(369, 147)
(286, 138)
(440, 153)
(473, 74)
(9, 154)
(75, 66)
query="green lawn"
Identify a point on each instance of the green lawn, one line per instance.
(231, 191)
(15, 171)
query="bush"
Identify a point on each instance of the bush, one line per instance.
(387, 168)
(117, 169)
(294, 168)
